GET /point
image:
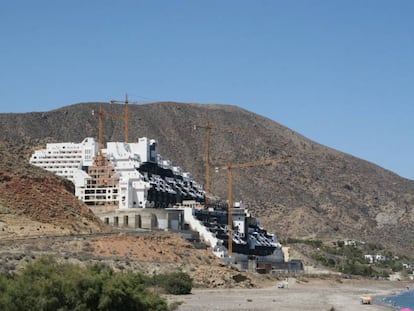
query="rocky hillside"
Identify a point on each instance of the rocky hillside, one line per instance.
(319, 193)
(36, 202)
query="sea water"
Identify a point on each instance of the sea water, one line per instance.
(403, 300)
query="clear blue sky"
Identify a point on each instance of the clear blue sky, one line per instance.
(339, 72)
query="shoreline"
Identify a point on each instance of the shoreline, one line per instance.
(315, 294)
(380, 299)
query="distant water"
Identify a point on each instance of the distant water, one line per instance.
(402, 300)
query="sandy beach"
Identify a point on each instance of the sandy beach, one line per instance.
(312, 295)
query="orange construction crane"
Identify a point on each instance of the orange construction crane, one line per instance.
(101, 114)
(229, 167)
(208, 129)
(125, 115)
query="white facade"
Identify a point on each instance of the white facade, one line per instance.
(146, 148)
(126, 158)
(374, 258)
(238, 218)
(70, 160)
(66, 159)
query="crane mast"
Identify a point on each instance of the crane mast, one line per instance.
(126, 113)
(208, 129)
(101, 114)
(230, 208)
(100, 129)
(126, 118)
(230, 166)
(207, 155)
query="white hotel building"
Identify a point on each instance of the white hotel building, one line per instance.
(130, 175)
(67, 159)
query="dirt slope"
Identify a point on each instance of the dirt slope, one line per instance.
(35, 202)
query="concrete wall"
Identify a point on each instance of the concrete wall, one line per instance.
(145, 218)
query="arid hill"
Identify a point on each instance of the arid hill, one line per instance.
(36, 202)
(320, 193)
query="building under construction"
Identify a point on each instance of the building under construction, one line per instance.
(122, 175)
(130, 185)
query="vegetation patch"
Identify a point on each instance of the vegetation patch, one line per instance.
(239, 278)
(48, 285)
(176, 283)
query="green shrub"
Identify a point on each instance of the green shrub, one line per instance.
(46, 285)
(176, 283)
